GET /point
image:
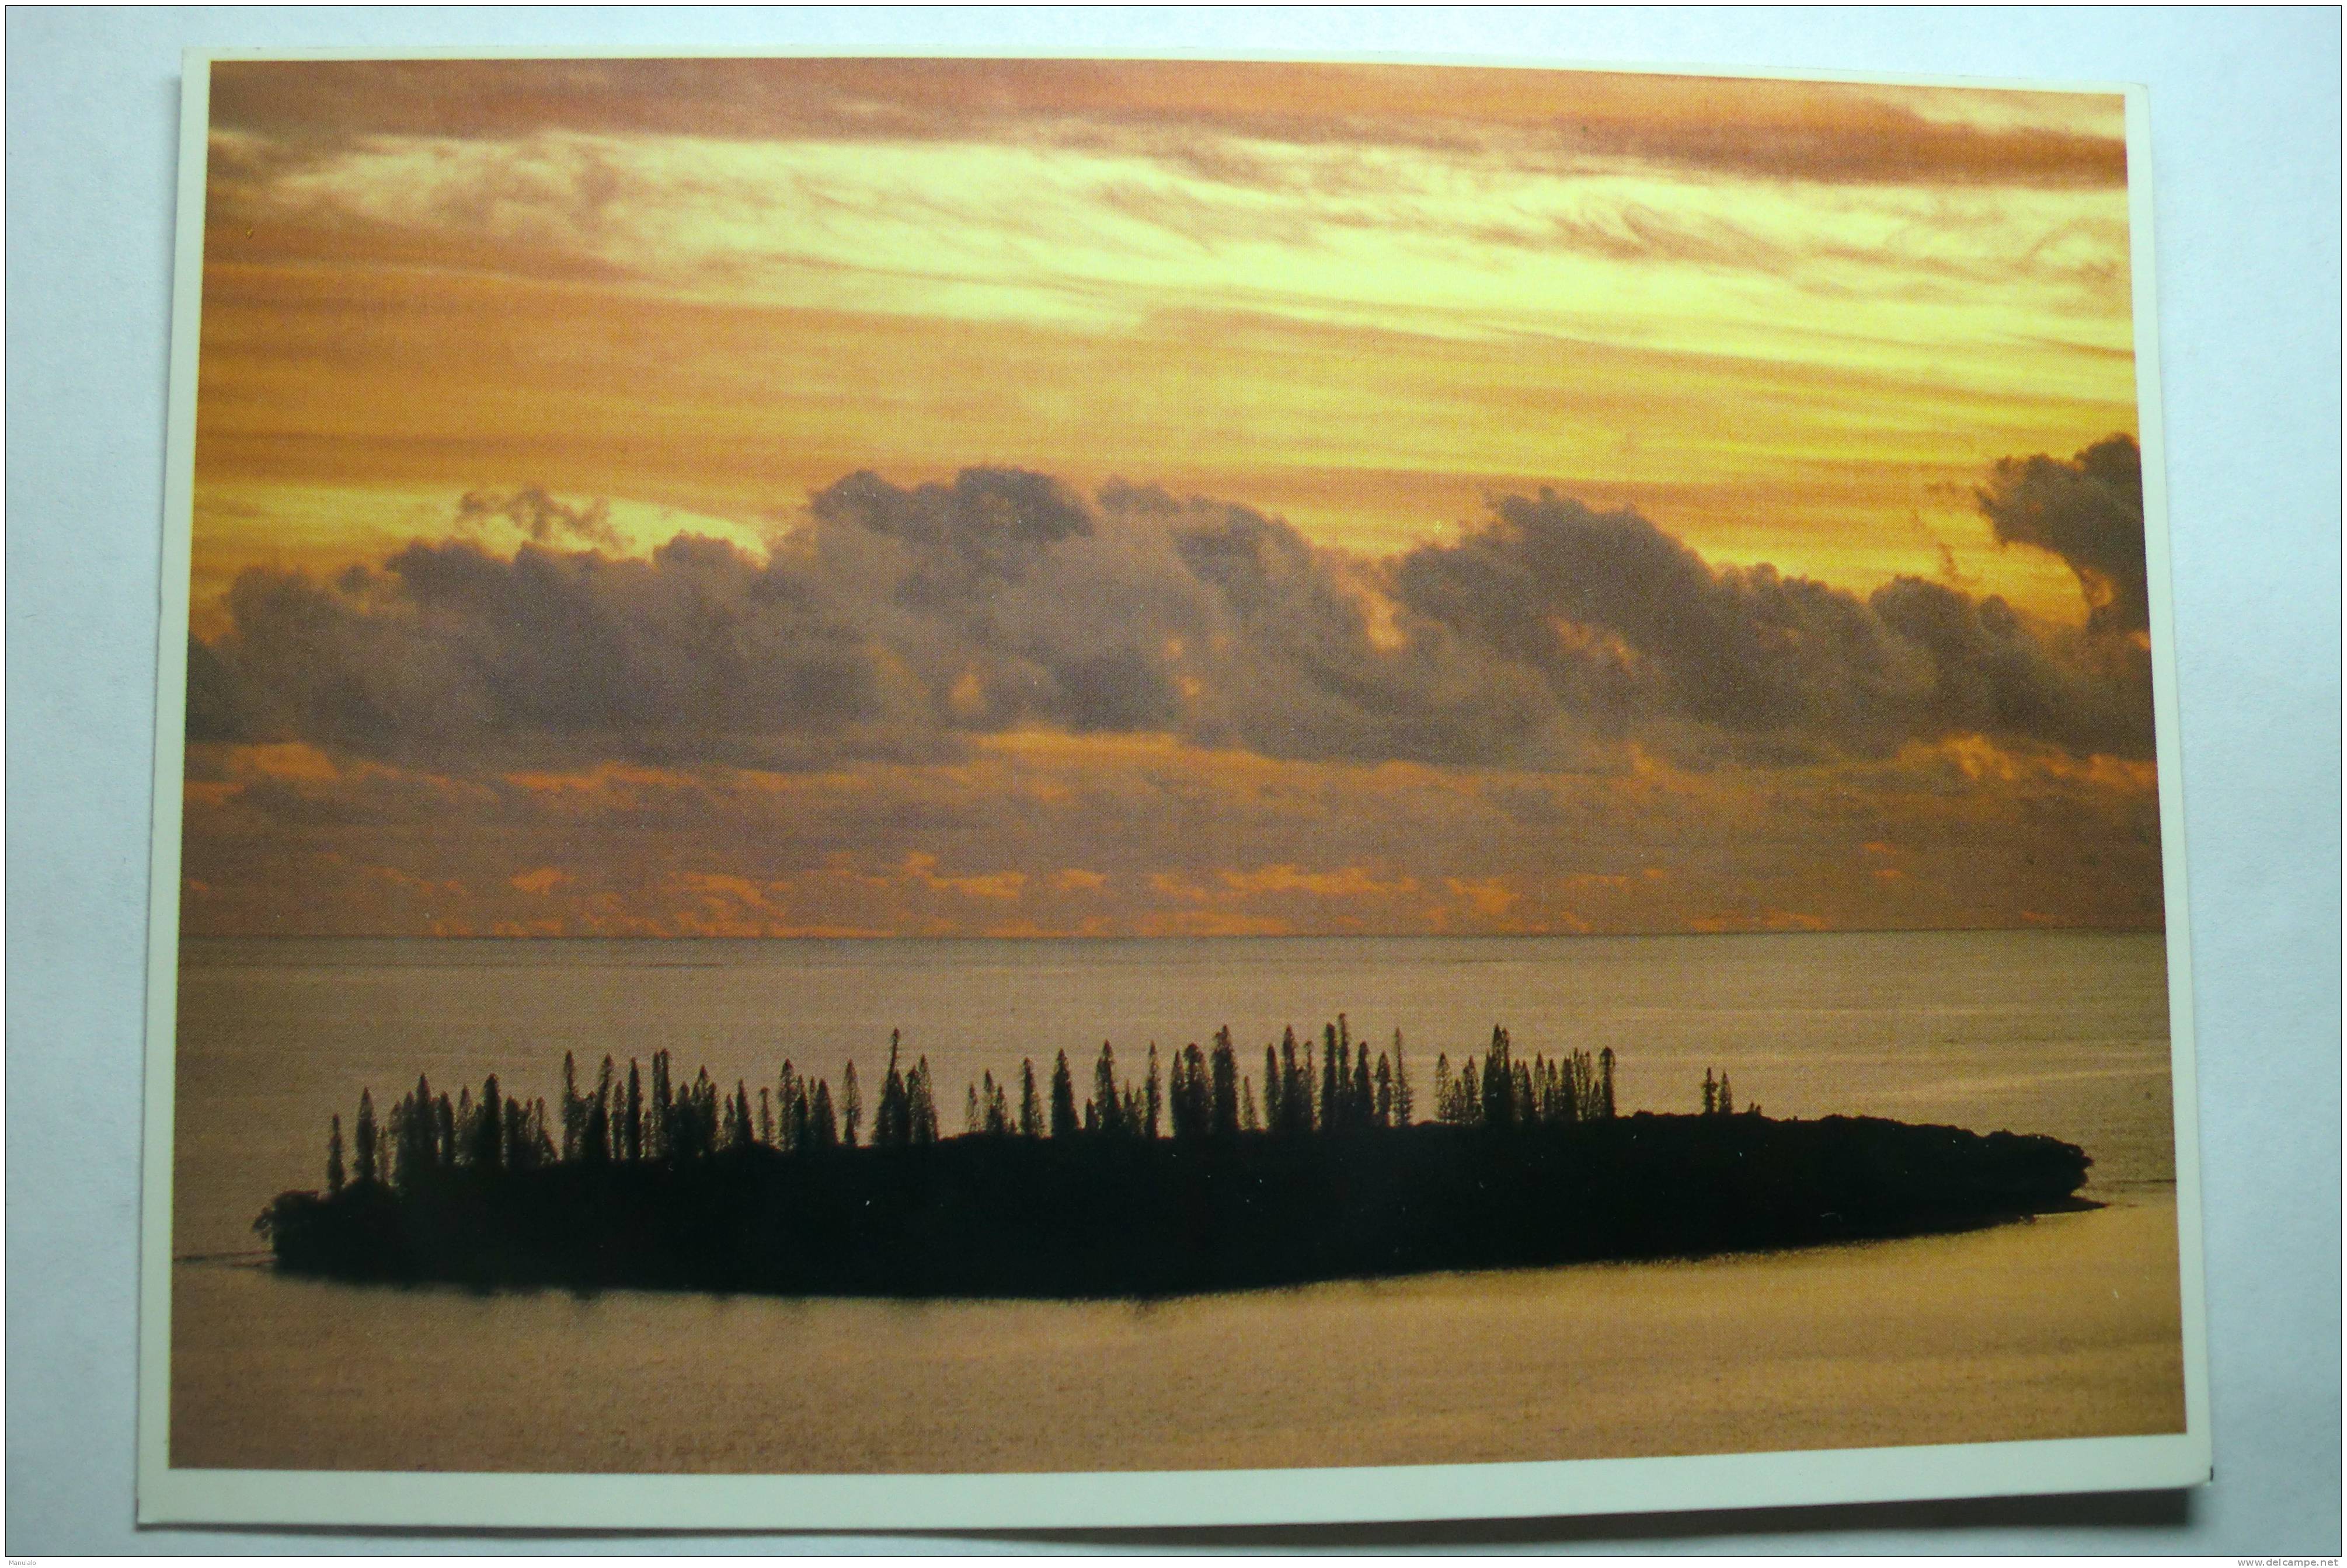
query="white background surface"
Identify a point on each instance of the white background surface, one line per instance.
(2245, 109)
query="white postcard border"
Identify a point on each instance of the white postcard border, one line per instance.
(1125, 1498)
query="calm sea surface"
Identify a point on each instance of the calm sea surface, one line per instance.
(2066, 1325)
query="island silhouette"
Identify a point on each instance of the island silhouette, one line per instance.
(1179, 1180)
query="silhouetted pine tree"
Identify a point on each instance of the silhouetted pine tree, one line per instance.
(1225, 1074)
(1337, 1079)
(521, 1147)
(892, 1123)
(663, 1108)
(1605, 1083)
(1248, 1120)
(362, 1138)
(1331, 1114)
(402, 1137)
(632, 1127)
(1710, 1093)
(1499, 1083)
(1064, 1123)
(1154, 1110)
(970, 1124)
(334, 1154)
(1271, 1088)
(1108, 1104)
(1385, 1106)
(594, 1121)
(427, 1127)
(596, 1141)
(1727, 1097)
(1031, 1104)
(794, 1109)
(1352, 1075)
(574, 1118)
(489, 1132)
(705, 1115)
(1463, 1090)
(1405, 1101)
(924, 1104)
(823, 1125)
(499, 1156)
(693, 1122)
(411, 1141)
(1295, 1112)
(1181, 1100)
(444, 1131)
(1292, 1108)
(851, 1104)
(1193, 1096)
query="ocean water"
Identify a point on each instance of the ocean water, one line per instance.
(2065, 1325)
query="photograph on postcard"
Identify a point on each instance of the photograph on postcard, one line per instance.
(933, 766)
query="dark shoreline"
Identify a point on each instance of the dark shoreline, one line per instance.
(1093, 1217)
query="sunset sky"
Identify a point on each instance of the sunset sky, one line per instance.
(926, 498)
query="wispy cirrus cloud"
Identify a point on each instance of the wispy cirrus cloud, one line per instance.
(701, 283)
(1826, 131)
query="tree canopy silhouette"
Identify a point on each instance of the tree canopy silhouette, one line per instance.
(1193, 1181)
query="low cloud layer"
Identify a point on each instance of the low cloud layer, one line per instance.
(1632, 630)
(1111, 837)
(901, 623)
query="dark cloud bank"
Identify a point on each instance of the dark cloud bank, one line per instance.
(2088, 511)
(899, 621)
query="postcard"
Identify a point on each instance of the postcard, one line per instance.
(1021, 792)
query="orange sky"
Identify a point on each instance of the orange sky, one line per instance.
(1790, 324)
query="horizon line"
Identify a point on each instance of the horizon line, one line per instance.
(2160, 929)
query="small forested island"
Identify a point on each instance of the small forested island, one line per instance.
(1179, 1183)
